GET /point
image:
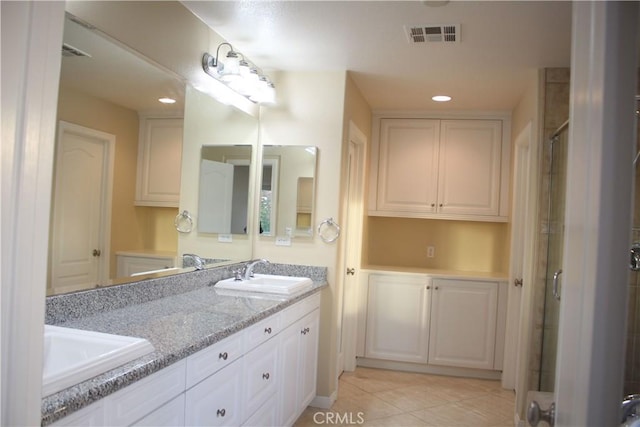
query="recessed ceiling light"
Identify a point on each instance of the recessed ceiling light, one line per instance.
(167, 100)
(441, 98)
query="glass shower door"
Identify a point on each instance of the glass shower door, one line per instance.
(555, 244)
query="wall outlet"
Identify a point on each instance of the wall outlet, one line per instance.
(283, 241)
(431, 251)
(225, 238)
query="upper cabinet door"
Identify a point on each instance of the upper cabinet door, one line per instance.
(408, 165)
(469, 167)
(159, 162)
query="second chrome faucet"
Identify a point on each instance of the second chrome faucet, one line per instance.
(246, 272)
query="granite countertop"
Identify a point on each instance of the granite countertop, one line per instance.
(176, 325)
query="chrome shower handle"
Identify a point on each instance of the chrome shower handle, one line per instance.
(556, 292)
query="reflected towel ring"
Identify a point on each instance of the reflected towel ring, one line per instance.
(183, 222)
(329, 230)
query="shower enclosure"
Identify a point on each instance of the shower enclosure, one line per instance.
(553, 276)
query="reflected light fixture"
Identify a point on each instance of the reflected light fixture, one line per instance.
(441, 98)
(240, 75)
(167, 100)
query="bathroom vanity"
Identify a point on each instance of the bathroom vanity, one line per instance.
(222, 357)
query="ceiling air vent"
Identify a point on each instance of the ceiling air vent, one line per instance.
(68, 50)
(433, 33)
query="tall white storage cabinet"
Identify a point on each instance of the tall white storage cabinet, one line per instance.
(440, 169)
(159, 162)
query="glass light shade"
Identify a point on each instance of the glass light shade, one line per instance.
(229, 70)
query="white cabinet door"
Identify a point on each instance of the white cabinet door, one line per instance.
(289, 394)
(469, 167)
(169, 415)
(260, 376)
(216, 401)
(159, 162)
(398, 318)
(408, 165)
(463, 323)
(308, 360)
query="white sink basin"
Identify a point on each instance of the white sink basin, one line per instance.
(268, 283)
(73, 355)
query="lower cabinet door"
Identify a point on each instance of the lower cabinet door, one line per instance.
(169, 415)
(463, 323)
(266, 415)
(217, 400)
(289, 391)
(260, 375)
(309, 332)
(398, 318)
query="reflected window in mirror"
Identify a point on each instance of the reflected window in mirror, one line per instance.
(287, 191)
(223, 200)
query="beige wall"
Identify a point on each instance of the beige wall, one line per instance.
(310, 112)
(459, 245)
(132, 228)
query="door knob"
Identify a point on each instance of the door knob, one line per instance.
(96, 252)
(535, 414)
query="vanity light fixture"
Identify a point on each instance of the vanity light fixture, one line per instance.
(441, 98)
(240, 75)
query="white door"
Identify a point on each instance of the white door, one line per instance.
(352, 226)
(524, 206)
(216, 197)
(81, 208)
(591, 343)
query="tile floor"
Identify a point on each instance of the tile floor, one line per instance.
(377, 397)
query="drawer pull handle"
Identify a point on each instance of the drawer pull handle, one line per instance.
(265, 376)
(221, 412)
(223, 356)
(267, 330)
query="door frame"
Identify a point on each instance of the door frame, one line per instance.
(593, 306)
(351, 219)
(29, 105)
(109, 142)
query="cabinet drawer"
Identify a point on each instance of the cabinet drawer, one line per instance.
(260, 375)
(144, 396)
(266, 415)
(90, 416)
(213, 358)
(300, 309)
(216, 401)
(261, 331)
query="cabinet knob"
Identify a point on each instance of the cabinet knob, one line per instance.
(437, 288)
(221, 412)
(267, 330)
(223, 356)
(265, 376)
(351, 271)
(96, 252)
(441, 205)
(428, 287)
(433, 205)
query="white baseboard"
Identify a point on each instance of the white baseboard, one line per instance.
(429, 369)
(324, 402)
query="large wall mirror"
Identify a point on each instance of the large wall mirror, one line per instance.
(106, 93)
(287, 191)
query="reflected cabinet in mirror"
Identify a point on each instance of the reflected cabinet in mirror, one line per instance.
(287, 191)
(223, 200)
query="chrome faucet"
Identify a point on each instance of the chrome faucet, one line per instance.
(197, 261)
(248, 269)
(630, 406)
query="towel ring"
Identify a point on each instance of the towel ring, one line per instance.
(329, 230)
(183, 222)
